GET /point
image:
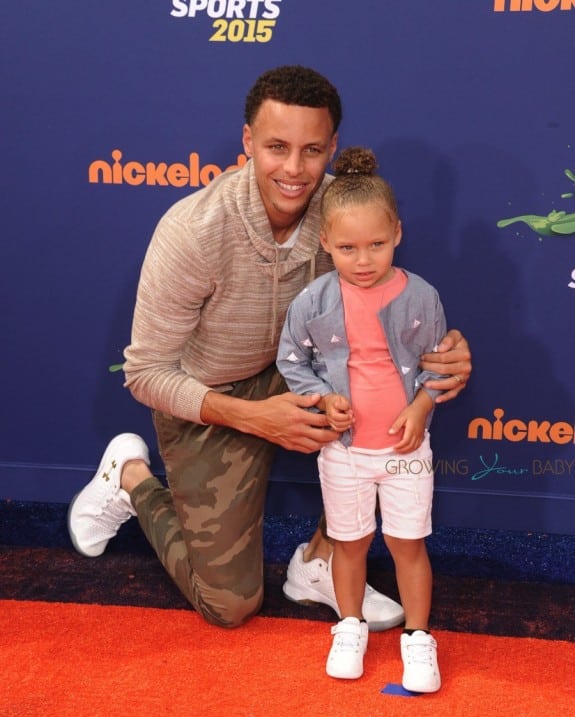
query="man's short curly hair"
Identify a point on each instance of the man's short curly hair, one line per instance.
(294, 85)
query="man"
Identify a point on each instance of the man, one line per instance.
(221, 269)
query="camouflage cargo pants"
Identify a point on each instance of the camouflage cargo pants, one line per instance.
(207, 528)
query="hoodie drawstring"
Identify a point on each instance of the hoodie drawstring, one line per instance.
(275, 290)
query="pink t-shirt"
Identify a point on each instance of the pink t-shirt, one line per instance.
(377, 392)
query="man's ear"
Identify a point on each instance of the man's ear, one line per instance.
(333, 146)
(247, 140)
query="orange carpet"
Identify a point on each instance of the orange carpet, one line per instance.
(59, 660)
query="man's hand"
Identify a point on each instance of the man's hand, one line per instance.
(452, 359)
(282, 419)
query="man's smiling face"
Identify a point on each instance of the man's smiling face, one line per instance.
(291, 147)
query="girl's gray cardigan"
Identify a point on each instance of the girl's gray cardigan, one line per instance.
(314, 351)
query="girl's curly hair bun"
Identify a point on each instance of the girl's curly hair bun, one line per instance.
(355, 160)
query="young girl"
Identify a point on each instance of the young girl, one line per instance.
(355, 336)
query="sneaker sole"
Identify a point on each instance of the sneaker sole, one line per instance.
(293, 593)
(343, 677)
(425, 690)
(73, 537)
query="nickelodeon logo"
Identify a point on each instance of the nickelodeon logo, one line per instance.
(530, 5)
(516, 430)
(161, 174)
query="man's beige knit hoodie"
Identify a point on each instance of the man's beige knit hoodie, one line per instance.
(213, 294)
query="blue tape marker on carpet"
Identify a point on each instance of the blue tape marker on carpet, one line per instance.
(398, 691)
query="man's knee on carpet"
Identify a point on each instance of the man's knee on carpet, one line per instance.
(226, 609)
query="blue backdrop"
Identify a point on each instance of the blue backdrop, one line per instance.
(112, 111)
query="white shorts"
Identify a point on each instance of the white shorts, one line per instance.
(352, 479)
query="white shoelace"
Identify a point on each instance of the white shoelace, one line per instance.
(114, 513)
(420, 653)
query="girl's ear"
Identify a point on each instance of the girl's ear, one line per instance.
(398, 234)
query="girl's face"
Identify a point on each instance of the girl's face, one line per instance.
(361, 239)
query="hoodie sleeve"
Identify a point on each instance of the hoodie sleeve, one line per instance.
(296, 351)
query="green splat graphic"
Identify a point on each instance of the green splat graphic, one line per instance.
(554, 224)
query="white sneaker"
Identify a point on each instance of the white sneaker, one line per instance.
(345, 659)
(420, 669)
(313, 582)
(97, 512)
